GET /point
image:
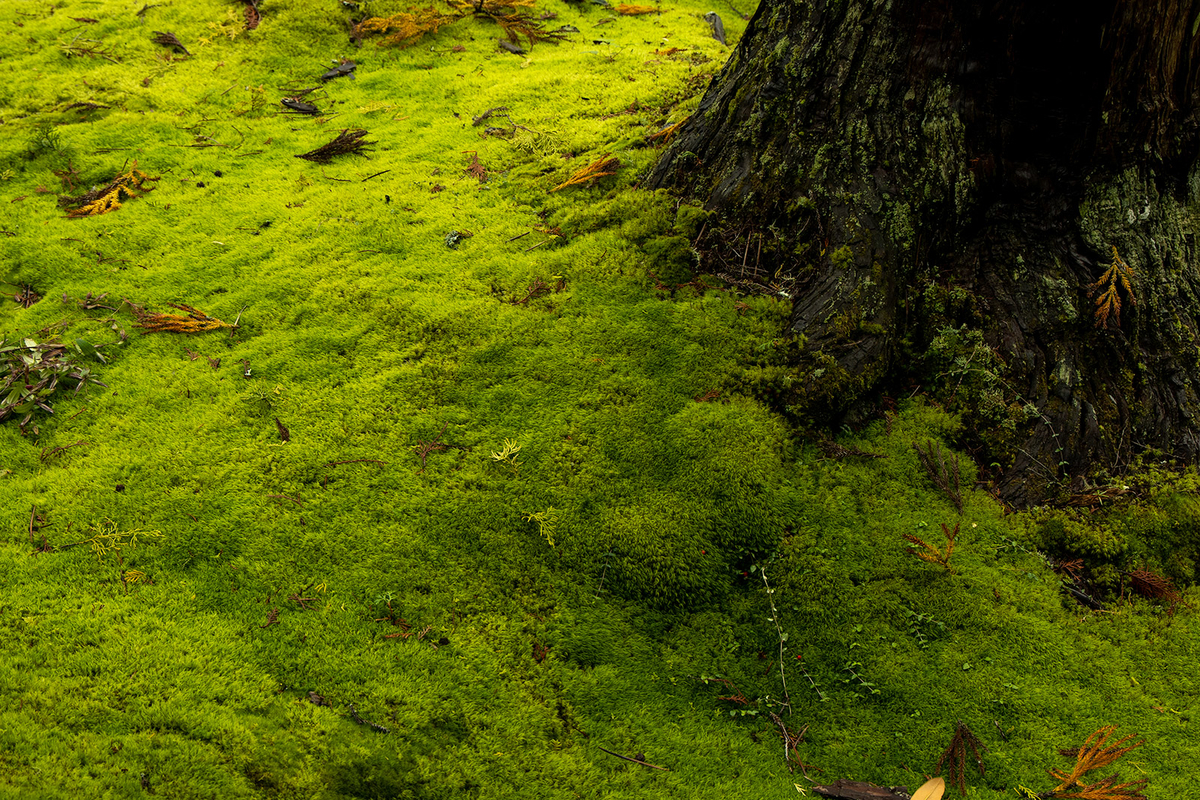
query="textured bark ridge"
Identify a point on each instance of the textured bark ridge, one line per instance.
(904, 169)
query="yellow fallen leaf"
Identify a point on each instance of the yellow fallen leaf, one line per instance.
(932, 789)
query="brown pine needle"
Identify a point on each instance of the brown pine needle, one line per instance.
(629, 11)
(600, 168)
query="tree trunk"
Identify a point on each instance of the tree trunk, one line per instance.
(941, 187)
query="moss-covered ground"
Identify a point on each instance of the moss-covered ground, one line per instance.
(304, 557)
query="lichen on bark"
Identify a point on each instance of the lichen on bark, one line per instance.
(873, 150)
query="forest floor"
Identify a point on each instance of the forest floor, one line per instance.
(430, 471)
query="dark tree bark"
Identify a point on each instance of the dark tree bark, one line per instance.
(906, 168)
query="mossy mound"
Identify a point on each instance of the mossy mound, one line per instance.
(461, 488)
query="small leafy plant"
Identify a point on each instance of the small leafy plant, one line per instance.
(921, 625)
(930, 553)
(547, 522)
(507, 457)
(109, 538)
(855, 680)
(30, 373)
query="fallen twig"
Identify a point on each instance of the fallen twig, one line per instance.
(634, 760)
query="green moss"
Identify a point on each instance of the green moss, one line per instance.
(842, 258)
(1062, 534)
(671, 258)
(690, 221)
(418, 592)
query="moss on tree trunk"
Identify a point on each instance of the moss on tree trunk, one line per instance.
(907, 169)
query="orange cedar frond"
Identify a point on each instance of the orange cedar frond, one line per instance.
(666, 133)
(600, 168)
(406, 28)
(196, 321)
(629, 11)
(108, 198)
(1093, 755)
(1107, 789)
(1109, 302)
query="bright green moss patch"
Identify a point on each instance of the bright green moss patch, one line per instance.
(356, 592)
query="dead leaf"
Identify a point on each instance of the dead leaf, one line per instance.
(932, 789)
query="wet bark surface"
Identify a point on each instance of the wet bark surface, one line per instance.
(903, 169)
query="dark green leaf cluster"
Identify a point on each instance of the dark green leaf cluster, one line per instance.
(30, 374)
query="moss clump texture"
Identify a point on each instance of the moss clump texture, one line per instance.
(197, 605)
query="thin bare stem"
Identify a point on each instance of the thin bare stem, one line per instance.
(787, 701)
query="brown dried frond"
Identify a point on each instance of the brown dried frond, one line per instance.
(424, 448)
(520, 24)
(1151, 585)
(600, 168)
(475, 169)
(348, 141)
(253, 18)
(1073, 568)
(1094, 755)
(67, 176)
(195, 321)
(945, 477)
(168, 39)
(1109, 302)
(954, 757)
(108, 198)
(513, 16)
(406, 28)
(930, 553)
(629, 11)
